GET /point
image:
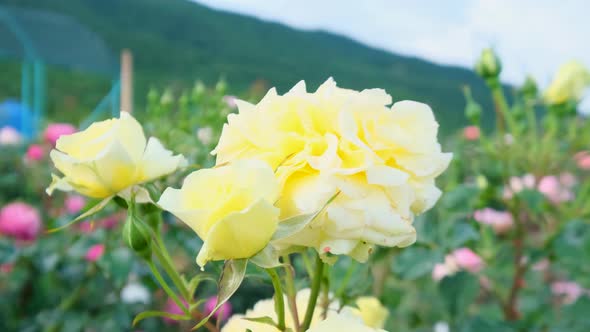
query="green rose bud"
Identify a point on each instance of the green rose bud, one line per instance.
(137, 236)
(472, 109)
(529, 89)
(488, 66)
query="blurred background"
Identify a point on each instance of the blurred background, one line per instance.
(179, 65)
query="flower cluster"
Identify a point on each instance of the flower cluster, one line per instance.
(380, 161)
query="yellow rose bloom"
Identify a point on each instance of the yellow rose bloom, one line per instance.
(370, 309)
(344, 321)
(381, 160)
(569, 83)
(230, 207)
(109, 157)
(266, 307)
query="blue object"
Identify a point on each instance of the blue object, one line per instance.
(18, 116)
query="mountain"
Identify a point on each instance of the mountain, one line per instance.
(177, 41)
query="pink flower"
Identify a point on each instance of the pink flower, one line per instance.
(569, 291)
(20, 221)
(94, 253)
(230, 101)
(9, 136)
(518, 184)
(583, 160)
(172, 307)
(6, 268)
(471, 133)
(468, 260)
(554, 190)
(501, 221)
(74, 203)
(224, 311)
(55, 130)
(440, 271)
(35, 152)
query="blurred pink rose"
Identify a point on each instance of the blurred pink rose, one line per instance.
(583, 160)
(230, 101)
(86, 227)
(224, 311)
(55, 130)
(9, 136)
(517, 184)
(468, 260)
(471, 133)
(501, 221)
(569, 291)
(440, 271)
(20, 221)
(94, 252)
(35, 152)
(172, 307)
(554, 190)
(542, 265)
(6, 268)
(74, 203)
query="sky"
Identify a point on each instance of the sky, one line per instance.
(531, 36)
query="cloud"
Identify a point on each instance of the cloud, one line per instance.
(531, 36)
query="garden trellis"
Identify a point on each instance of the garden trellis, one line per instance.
(38, 38)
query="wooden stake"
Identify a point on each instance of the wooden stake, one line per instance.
(126, 81)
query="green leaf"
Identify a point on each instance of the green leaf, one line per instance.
(416, 262)
(86, 214)
(293, 225)
(263, 320)
(462, 233)
(480, 324)
(267, 258)
(459, 291)
(233, 274)
(150, 314)
(533, 199)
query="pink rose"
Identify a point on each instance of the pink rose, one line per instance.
(55, 130)
(224, 311)
(9, 136)
(74, 203)
(35, 152)
(20, 221)
(94, 252)
(569, 291)
(518, 184)
(471, 133)
(583, 160)
(501, 221)
(172, 308)
(230, 101)
(468, 260)
(554, 190)
(6, 268)
(440, 271)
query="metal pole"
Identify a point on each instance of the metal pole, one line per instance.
(126, 81)
(38, 94)
(25, 94)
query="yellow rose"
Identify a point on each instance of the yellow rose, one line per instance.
(344, 321)
(109, 157)
(266, 307)
(382, 161)
(370, 309)
(230, 207)
(569, 83)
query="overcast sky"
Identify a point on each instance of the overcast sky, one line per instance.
(532, 36)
